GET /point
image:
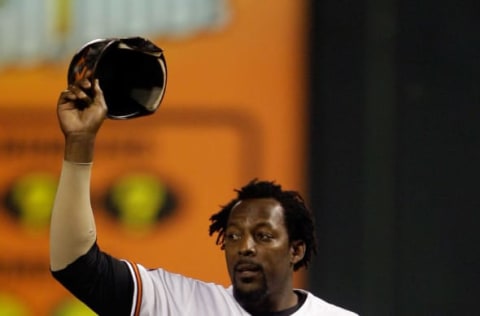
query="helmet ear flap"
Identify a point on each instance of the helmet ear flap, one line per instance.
(132, 73)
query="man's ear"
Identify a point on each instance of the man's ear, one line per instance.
(297, 251)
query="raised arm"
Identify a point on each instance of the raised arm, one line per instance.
(72, 231)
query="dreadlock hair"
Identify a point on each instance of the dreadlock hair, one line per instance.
(299, 219)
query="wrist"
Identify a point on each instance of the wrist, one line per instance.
(79, 148)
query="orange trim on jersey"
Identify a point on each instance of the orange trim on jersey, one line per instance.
(139, 289)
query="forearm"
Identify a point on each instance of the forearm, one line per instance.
(72, 231)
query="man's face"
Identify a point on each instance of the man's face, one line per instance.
(257, 249)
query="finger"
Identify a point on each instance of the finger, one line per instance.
(85, 84)
(79, 92)
(89, 73)
(97, 89)
(68, 95)
(82, 100)
(99, 98)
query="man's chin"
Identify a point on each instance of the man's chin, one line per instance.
(249, 293)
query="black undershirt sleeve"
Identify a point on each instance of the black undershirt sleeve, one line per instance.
(101, 281)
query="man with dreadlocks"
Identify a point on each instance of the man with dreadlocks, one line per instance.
(266, 233)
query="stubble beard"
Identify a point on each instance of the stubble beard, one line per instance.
(252, 297)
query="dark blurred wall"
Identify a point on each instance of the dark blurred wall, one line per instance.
(395, 146)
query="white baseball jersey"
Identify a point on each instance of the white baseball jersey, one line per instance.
(158, 292)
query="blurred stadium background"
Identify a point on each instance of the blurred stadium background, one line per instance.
(369, 108)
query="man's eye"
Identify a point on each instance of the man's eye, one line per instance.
(264, 236)
(232, 236)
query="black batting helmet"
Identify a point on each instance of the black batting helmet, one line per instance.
(132, 73)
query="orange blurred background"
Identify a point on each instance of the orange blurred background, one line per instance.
(234, 110)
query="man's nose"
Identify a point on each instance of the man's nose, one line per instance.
(247, 247)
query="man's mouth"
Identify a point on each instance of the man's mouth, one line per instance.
(247, 270)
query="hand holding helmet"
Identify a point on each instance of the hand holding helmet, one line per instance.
(78, 112)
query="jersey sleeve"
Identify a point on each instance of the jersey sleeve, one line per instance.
(102, 282)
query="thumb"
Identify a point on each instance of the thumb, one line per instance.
(99, 97)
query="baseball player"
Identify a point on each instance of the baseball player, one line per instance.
(266, 233)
